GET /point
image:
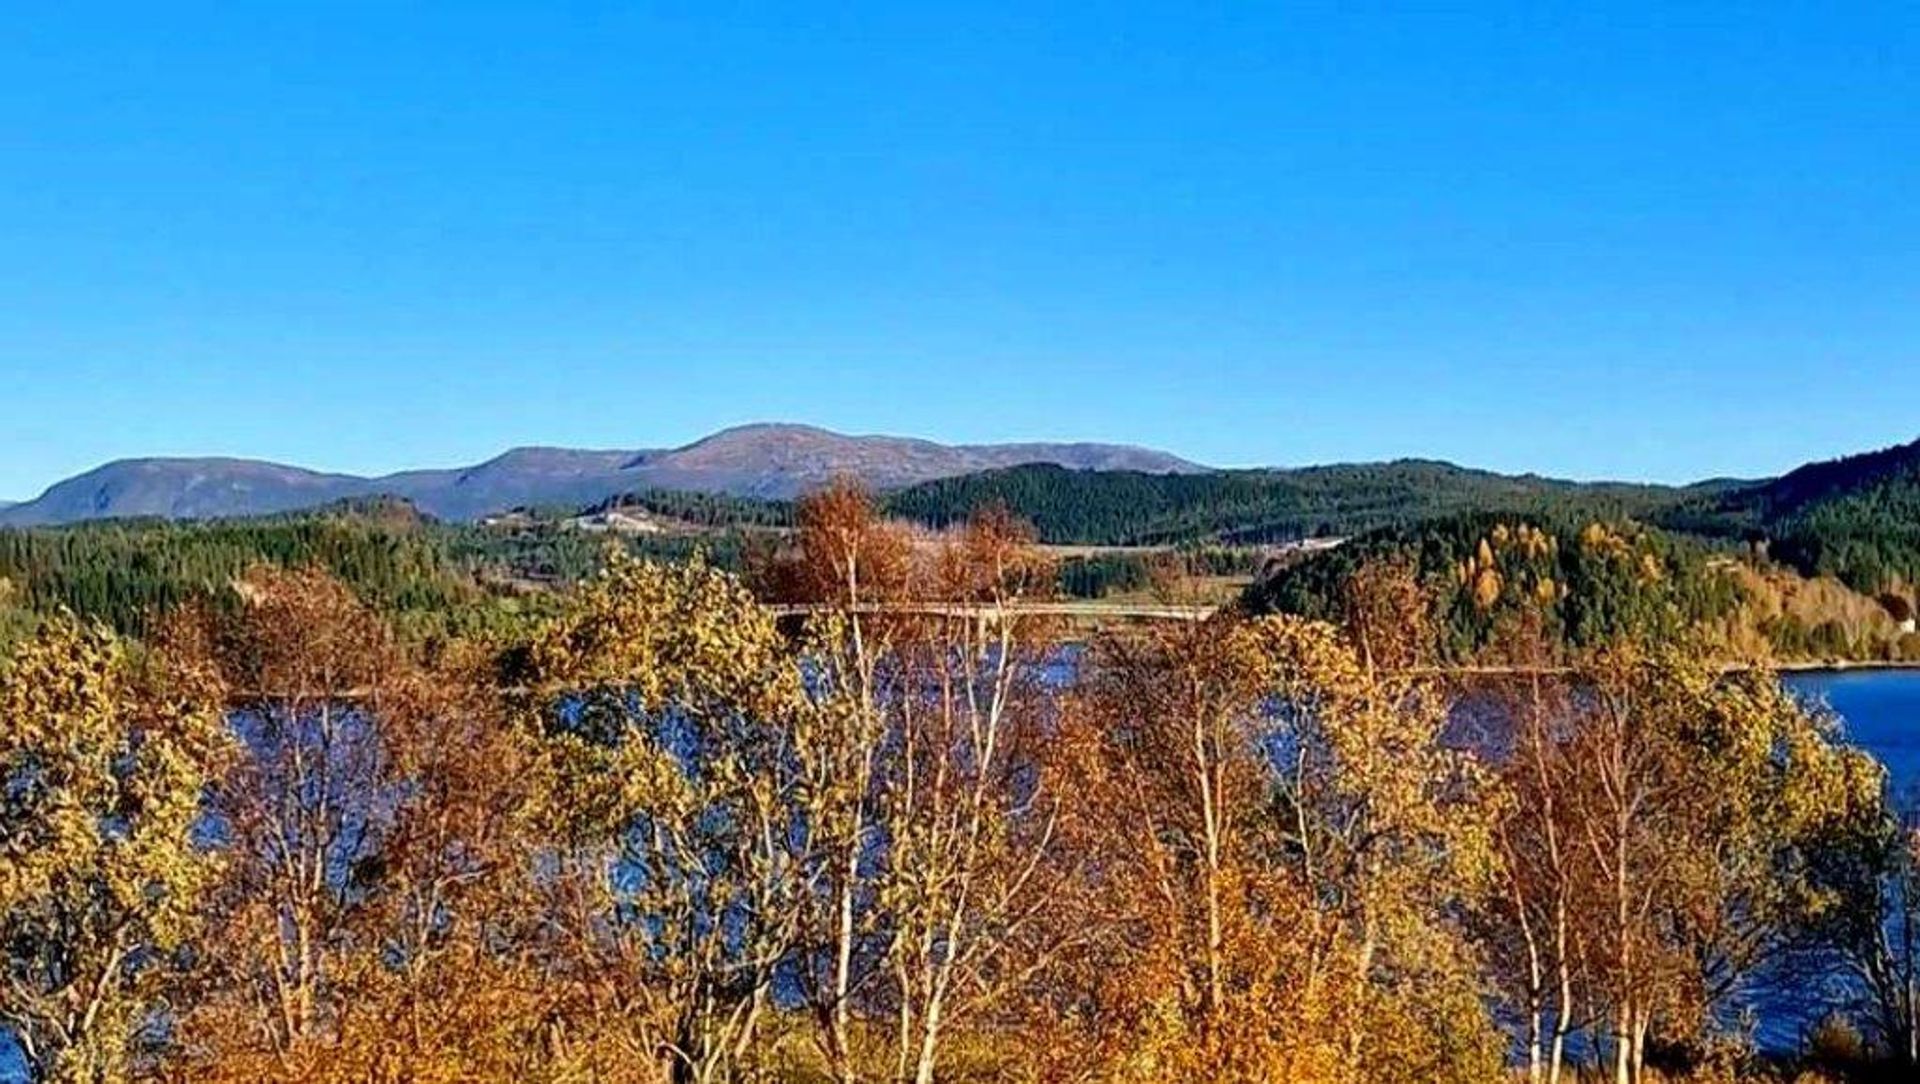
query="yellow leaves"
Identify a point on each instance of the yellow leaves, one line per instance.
(97, 860)
(1702, 800)
(1651, 569)
(1509, 557)
(662, 699)
(85, 748)
(1344, 829)
(686, 633)
(1387, 613)
(1486, 588)
(1534, 542)
(1607, 542)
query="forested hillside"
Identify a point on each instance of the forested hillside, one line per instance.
(1806, 565)
(1580, 584)
(701, 509)
(1132, 508)
(121, 572)
(1590, 584)
(431, 577)
(1855, 518)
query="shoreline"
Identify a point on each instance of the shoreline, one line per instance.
(1841, 666)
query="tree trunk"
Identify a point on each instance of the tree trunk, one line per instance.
(1640, 1023)
(1622, 1045)
(929, 1043)
(843, 970)
(1563, 1007)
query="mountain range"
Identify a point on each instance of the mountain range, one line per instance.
(766, 460)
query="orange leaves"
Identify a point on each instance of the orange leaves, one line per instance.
(846, 552)
(1277, 834)
(677, 843)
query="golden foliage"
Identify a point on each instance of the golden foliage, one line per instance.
(1272, 873)
(662, 840)
(103, 767)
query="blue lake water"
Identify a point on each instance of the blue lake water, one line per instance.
(1881, 711)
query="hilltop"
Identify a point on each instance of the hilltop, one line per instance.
(768, 461)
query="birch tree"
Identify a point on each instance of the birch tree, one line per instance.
(665, 707)
(968, 809)
(104, 770)
(1699, 799)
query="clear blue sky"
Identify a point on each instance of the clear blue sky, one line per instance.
(1657, 241)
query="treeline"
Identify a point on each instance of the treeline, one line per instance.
(1256, 506)
(701, 509)
(1869, 539)
(1103, 573)
(547, 555)
(123, 572)
(658, 838)
(434, 580)
(1856, 519)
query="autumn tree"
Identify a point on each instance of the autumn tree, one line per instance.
(1174, 786)
(1698, 800)
(1872, 863)
(1387, 615)
(438, 990)
(844, 552)
(372, 839)
(1387, 825)
(302, 814)
(1279, 835)
(928, 822)
(966, 809)
(103, 767)
(848, 563)
(1535, 937)
(665, 708)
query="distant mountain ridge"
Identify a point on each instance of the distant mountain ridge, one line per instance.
(762, 460)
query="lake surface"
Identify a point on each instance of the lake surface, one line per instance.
(1881, 712)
